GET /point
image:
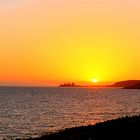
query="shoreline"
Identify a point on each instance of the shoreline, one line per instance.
(117, 129)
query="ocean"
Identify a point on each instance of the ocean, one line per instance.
(34, 111)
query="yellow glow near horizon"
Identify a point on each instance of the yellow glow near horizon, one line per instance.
(51, 42)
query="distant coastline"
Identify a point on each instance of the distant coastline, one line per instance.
(128, 84)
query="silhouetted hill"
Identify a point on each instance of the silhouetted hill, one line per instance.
(127, 83)
(135, 86)
(127, 128)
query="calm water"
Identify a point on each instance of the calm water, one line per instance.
(31, 112)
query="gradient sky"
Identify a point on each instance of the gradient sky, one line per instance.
(47, 42)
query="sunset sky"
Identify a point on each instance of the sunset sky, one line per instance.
(48, 42)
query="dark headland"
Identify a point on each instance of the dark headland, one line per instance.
(129, 84)
(119, 129)
(125, 84)
(135, 86)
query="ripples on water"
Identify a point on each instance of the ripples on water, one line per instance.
(31, 112)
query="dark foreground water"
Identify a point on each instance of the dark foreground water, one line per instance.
(31, 112)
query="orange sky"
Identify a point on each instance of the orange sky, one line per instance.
(49, 42)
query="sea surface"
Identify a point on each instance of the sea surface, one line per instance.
(31, 112)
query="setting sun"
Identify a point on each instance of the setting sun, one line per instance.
(94, 80)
